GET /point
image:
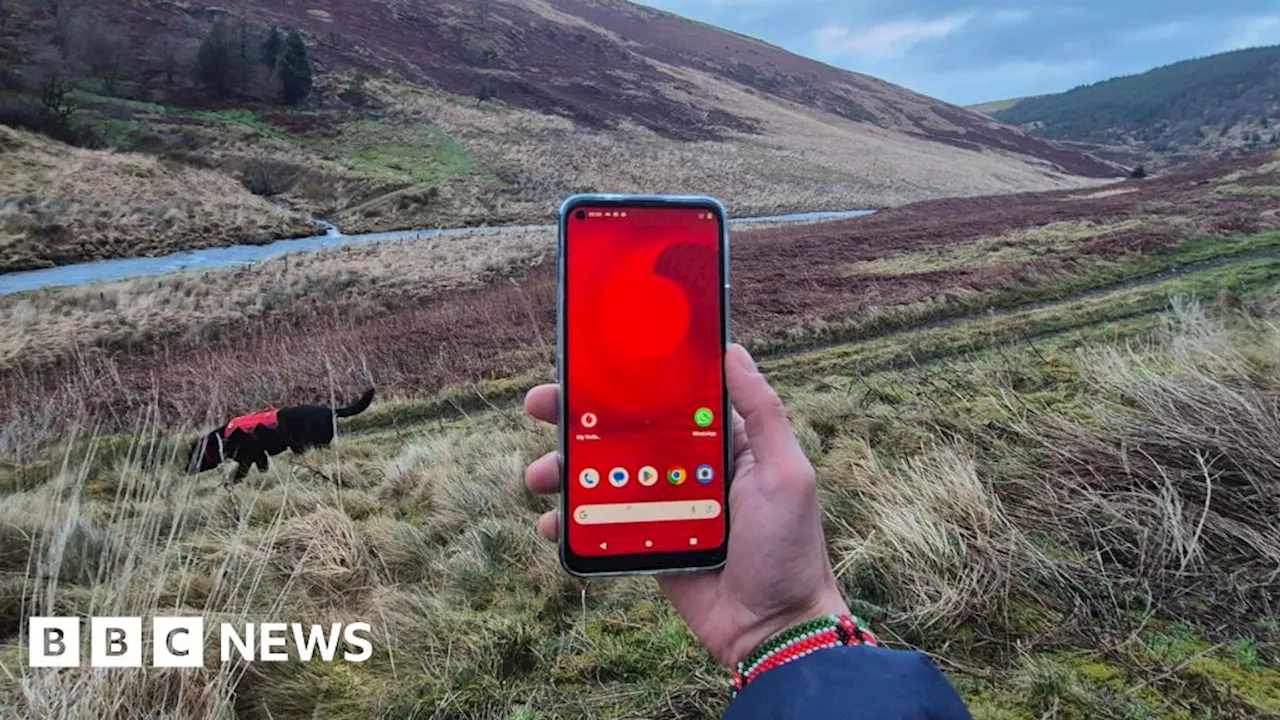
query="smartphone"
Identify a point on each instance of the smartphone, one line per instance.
(644, 417)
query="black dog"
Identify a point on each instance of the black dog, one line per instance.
(250, 439)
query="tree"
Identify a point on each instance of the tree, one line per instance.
(105, 52)
(66, 16)
(243, 66)
(297, 76)
(486, 90)
(52, 80)
(215, 62)
(166, 52)
(271, 48)
(1138, 173)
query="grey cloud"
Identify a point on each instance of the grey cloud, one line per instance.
(1004, 44)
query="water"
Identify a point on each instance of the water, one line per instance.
(239, 255)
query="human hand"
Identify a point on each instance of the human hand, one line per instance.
(777, 573)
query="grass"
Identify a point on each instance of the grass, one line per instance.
(1126, 305)
(1057, 481)
(354, 282)
(1030, 288)
(415, 153)
(1018, 246)
(63, 205)
(933, 479)
(1249, 190)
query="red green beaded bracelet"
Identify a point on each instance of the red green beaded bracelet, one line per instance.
(799, 641)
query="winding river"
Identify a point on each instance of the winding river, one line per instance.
(236, 255)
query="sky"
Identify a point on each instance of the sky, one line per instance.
(967, 52)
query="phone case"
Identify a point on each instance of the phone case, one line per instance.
(562, 216)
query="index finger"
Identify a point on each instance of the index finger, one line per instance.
(541, 402)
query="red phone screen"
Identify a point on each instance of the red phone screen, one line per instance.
(643, 381)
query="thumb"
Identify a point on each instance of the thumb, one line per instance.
(769, 433)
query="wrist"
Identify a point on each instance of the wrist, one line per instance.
(799, 641)
(751, 637)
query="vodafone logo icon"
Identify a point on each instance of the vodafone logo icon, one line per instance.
(589, 420)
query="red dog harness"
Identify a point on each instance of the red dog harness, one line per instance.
(251, 422)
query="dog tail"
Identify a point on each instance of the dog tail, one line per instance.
(357, 407)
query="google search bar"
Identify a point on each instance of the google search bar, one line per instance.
(646, 512)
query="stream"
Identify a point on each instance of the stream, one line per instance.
(238, 255)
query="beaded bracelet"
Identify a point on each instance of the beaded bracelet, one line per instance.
(798, 641)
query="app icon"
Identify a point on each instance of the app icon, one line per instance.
(676, 476)
(589, 478)
(704, 417)
(619, 477)
(589, 420)
(648, 476)
(705, 474)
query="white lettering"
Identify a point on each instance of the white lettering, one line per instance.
(307, 645)
(352, 639)
(231, 637)
(273, 635)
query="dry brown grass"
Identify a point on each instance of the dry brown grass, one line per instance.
(347, 284)
(426, 536)
(995, 523)
(803, 160)
(1172, 472)
(62, 204)
(1156, 480)
(939, 527)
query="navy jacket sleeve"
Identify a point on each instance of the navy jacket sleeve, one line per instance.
(851, 683)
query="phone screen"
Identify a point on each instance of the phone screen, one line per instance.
(643, 377)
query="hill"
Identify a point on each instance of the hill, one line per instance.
(994, 106)
(1225, 103)
(442, 113)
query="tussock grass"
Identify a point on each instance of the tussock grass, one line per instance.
(995, 512)
(433, 544)
(1003, 508)
(940, 533)
(345, 284)
(1173, 474)
(62, 204)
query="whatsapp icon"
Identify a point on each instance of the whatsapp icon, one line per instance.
(703, 417)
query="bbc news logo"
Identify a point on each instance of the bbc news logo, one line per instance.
(54, 642)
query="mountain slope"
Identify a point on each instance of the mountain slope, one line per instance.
(451, 112)
(1221, 103)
